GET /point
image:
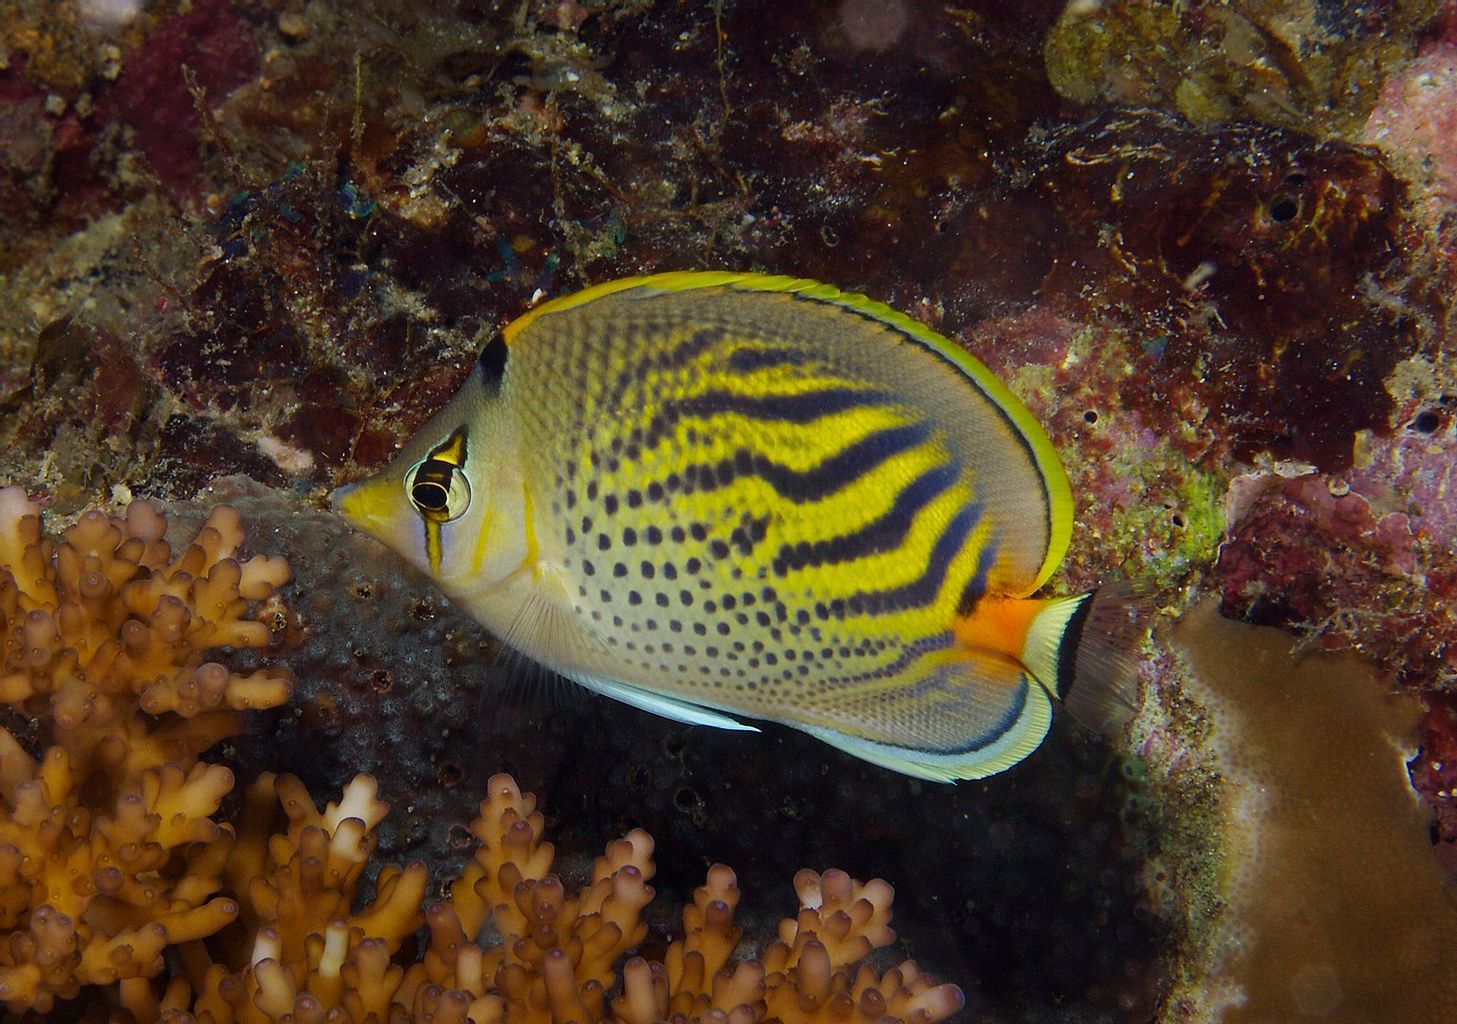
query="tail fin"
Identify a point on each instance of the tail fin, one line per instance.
(1082, 649)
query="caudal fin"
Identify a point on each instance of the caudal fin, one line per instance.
(1083, 650)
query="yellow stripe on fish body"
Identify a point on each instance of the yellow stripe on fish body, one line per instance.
(716, 495)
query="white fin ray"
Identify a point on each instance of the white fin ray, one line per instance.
(668, 707)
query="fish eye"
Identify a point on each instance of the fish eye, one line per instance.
(438, 490)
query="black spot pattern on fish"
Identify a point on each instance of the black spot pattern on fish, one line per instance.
(688, 443)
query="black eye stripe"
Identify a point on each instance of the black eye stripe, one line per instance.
(433, 472)
(491, 364)
(450, 453)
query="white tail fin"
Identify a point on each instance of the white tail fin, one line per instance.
(1083, 650)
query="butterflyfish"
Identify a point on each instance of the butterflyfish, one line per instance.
(723, 497)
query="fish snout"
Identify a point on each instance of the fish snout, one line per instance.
(370, 503)
(339, 495)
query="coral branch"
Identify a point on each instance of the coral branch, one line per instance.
(553, 957)
(111, 851)
(106, 621)
(109, 848)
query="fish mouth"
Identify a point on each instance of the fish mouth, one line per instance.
(364, 503)
(339, 495)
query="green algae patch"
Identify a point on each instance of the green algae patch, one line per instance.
(1175, 531)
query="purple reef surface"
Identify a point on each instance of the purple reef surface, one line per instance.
(1213, 247)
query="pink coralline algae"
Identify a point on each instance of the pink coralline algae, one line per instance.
(211, 45)
(1415, 120)
(1312, 552)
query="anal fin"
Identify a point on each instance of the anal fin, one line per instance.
(972, 716)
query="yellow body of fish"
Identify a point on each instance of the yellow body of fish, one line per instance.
(717, 495)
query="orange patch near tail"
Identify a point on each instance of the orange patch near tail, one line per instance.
(998, 624)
